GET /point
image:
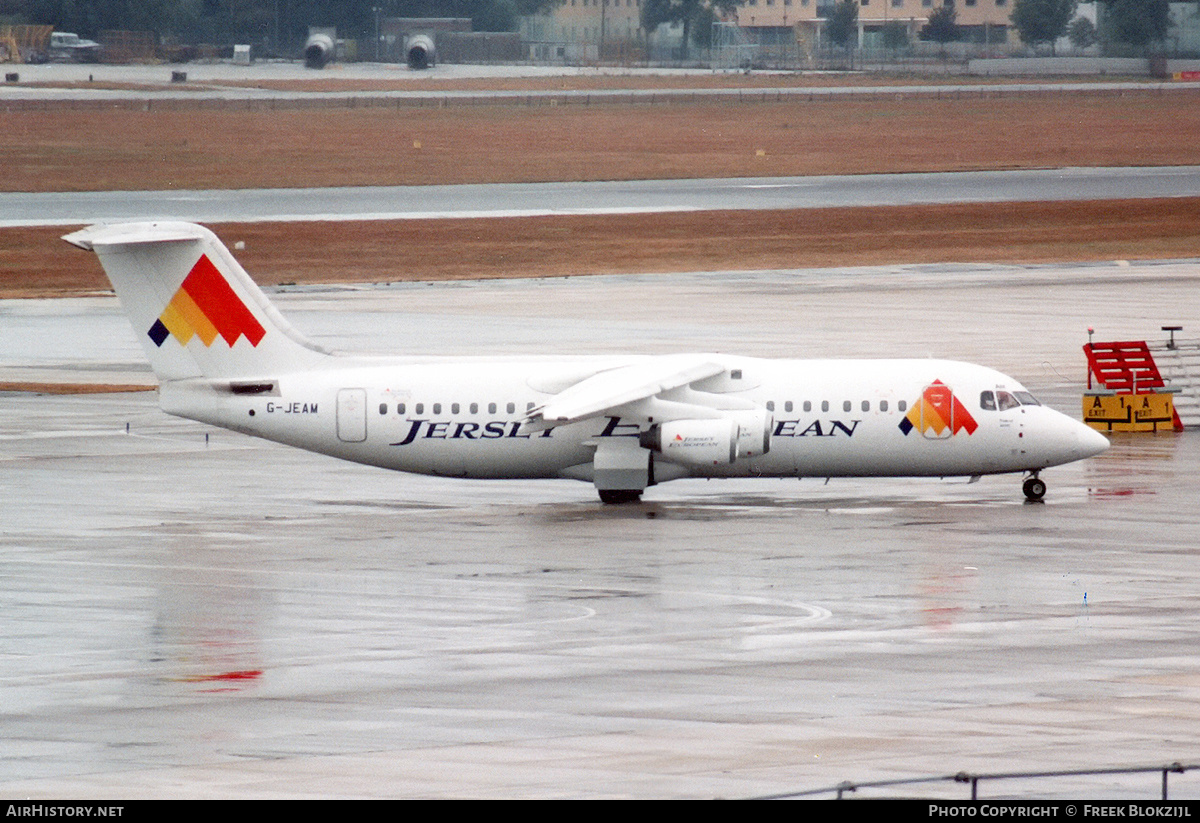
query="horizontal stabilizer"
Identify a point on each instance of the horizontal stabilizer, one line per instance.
(128, 234)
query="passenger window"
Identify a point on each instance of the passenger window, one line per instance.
(1006, 401)
(902, 405)
(491, 408)
(383, 408)
(787, 407)
(437, 408)
(474, 408)
(512, 407)
(866, 405)
(824, 405)
(529, 407)
(808, 405)
(770, 405)
(399, 408)
(987, 401)
(420, 408)
(847, 405)
(1027, 399)
(883, 405)
(454, 408)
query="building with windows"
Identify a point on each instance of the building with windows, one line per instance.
(771, 21)
(584, 29)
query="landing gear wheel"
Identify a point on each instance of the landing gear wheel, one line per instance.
(618, 496)
(1034, 488)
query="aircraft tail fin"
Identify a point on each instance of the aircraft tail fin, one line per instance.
(196, 311)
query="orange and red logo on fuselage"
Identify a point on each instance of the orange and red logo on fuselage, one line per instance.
(205, 307)
(938, 413)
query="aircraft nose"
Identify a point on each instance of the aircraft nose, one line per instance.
(1091, 442)
(1067, 440)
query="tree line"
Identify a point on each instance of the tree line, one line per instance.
(1135, 23)
(277, 24)
(283, 24)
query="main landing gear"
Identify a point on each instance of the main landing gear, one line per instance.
(1034, 488)
(617, 496)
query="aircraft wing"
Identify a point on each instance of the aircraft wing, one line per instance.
(618, 387)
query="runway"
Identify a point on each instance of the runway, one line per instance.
(623, 197)
(282, 82)
(190, 613)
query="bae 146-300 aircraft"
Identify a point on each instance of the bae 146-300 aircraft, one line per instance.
(225, 356)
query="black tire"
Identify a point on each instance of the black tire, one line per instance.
(1034, 488)
(619, 496)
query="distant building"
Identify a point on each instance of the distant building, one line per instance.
(416, 40)
(771, 21)
(578, 29)
(394, 32)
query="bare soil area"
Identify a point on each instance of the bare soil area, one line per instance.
(191, 147)
(71, 388)
(199, 146)
(33, 262)
(202, 146)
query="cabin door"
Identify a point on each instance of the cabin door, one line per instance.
(352, 415)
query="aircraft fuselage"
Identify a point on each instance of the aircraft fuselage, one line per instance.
(467, 418)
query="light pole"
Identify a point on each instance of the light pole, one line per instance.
(603, 15)
(377, 10)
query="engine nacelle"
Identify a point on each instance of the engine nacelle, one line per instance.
(754, 431)
(419, 52)
(694, 442)
(318, 50)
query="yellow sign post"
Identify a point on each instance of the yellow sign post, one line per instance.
(1107, 411)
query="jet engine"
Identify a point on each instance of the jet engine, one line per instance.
(419, 52)
(318, 50)
(754, 431)
(736, 435)
(694, 442)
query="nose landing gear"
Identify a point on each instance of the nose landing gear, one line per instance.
(1034, 488)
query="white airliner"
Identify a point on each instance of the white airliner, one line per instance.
(225, 356)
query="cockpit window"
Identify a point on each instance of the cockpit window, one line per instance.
(1027, 399)
(987, 401)
(1006, 401)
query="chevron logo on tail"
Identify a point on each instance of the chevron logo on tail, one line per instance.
(206, 307)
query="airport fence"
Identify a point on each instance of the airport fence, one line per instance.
(842, 790)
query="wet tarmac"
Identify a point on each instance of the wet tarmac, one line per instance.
(192, 613)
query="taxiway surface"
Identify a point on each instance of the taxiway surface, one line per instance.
(618, 197)
(289, 81)
(191, 613)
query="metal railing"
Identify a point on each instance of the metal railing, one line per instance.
(974, 779)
